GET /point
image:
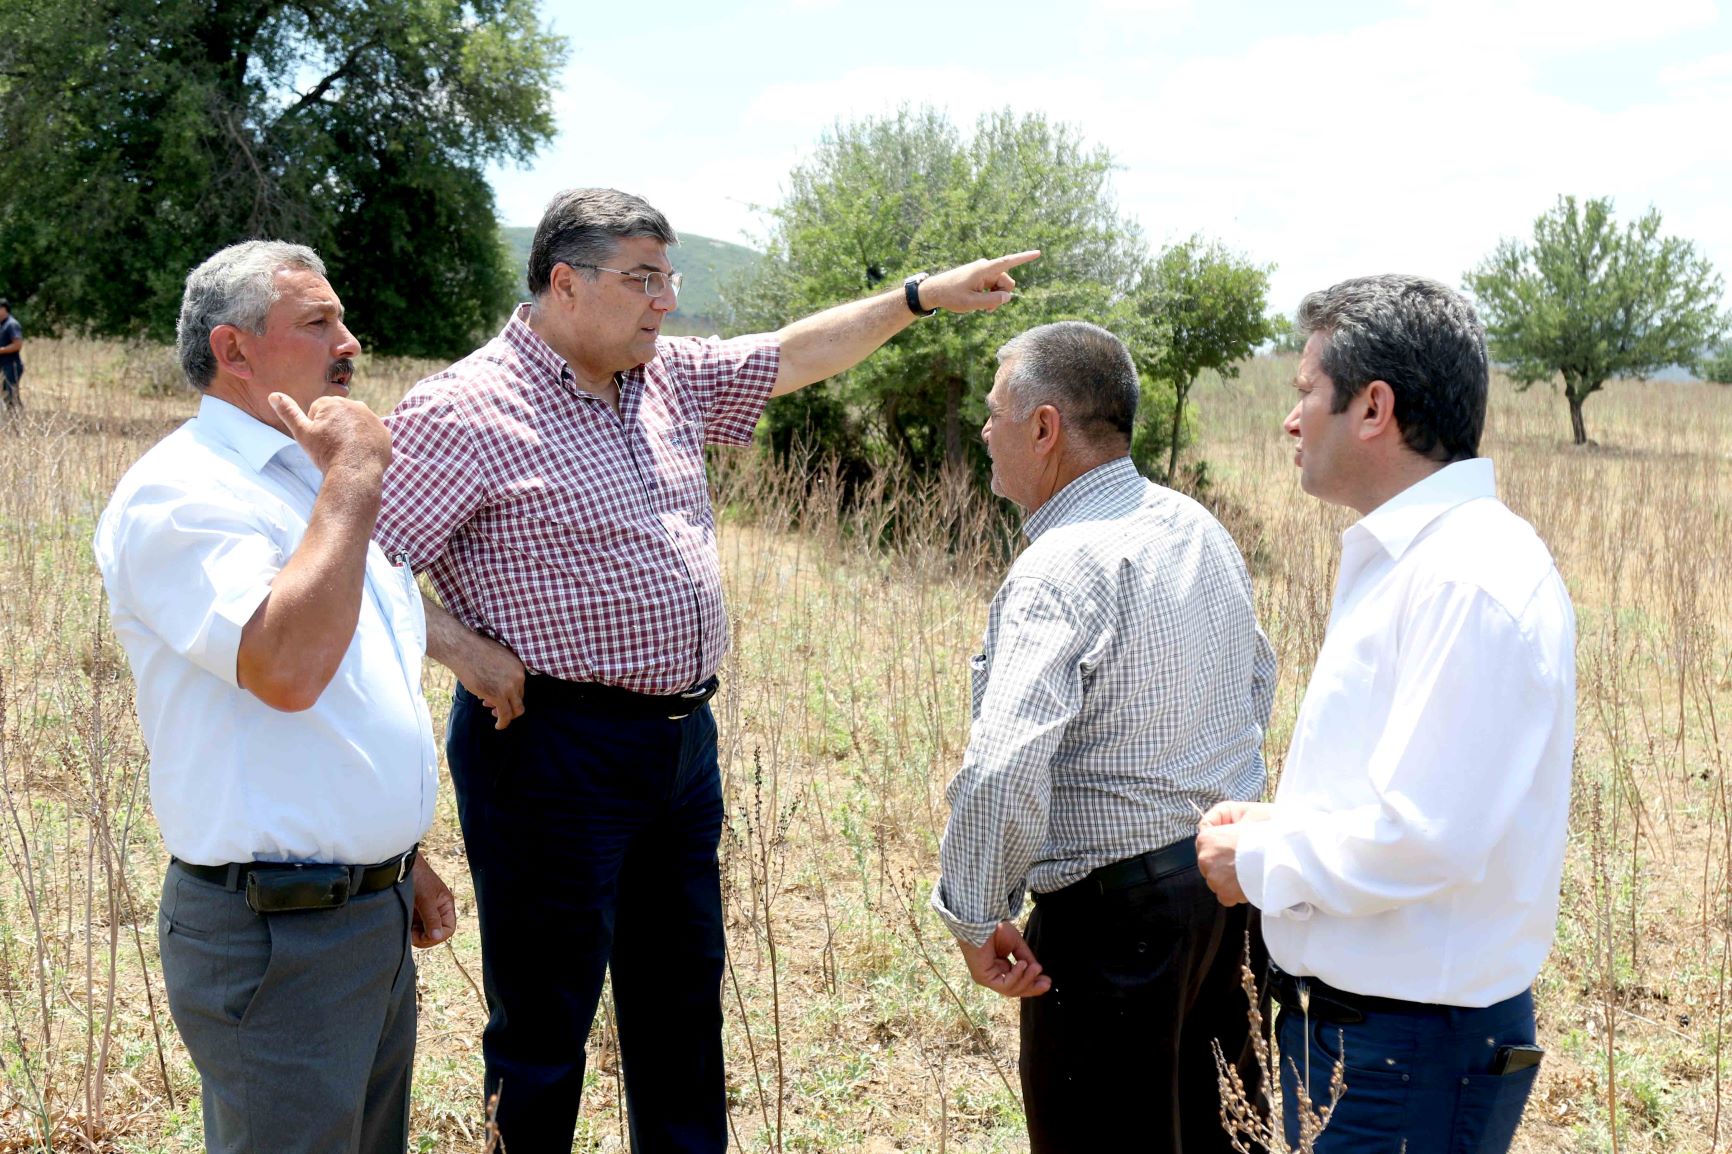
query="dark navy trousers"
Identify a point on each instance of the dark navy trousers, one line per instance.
(592, 843)
(1418, 1079)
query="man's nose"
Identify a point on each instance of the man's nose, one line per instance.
(348, 346)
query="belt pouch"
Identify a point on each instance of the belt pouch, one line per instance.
(307, 887)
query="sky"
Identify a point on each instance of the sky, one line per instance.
(1328, 139)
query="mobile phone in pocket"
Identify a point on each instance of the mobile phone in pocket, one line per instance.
(1515, 1059)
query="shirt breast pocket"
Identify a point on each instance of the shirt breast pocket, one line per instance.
(977, 671)
(680, 450)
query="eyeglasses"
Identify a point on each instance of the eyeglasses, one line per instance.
(655, 284)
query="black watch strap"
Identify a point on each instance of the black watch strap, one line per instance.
(911, 293)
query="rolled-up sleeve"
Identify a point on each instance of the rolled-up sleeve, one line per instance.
(1001, 797)
(192, 568)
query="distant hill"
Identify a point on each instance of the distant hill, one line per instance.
(704, 263)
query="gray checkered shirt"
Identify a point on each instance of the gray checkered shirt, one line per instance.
(1124, 688)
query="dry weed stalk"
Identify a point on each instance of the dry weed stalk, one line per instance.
(1606, 953)
(912, 914)
(1251, 1127)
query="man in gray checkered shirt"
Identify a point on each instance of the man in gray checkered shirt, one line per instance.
(1124, 689)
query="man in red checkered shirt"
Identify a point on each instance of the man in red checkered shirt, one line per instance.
(552, 485)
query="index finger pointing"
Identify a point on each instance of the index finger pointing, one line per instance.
(1016, 258)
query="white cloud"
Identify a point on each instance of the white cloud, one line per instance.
(1555, 27)
(1707, 71)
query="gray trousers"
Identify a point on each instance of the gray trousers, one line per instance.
(302, 1025)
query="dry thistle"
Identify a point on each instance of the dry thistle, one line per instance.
(1251, 1127)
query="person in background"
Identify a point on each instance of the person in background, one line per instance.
(11, 357)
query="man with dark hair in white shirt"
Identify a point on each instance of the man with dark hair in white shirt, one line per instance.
(1123, 687)
(1408, 869)
(277, 655)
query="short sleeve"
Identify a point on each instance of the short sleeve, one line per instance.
(191, 568)
(434, 484)
(729, 379)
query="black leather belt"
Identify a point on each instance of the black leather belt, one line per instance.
(594, 696)
(362, 879)
(1326, 1003)
(1132, 871)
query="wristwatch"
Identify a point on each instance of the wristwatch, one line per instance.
(911, 292)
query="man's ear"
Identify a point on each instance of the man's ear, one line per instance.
(562, 280)
(1376, 404)
(231, 356)
(1047, 425)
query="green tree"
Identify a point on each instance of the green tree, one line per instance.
(1211, 301)
(1718, 368)
(144, 134)
(1591, 302)
(883, 198)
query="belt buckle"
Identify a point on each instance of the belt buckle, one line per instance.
(696, 695)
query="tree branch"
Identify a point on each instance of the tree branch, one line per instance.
(317, 92)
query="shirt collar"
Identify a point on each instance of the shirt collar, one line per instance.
(538, 355)
(1075, 501)
(245, 435)
(1399, 521)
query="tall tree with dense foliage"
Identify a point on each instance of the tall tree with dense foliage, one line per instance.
(1590, 301)
(141, 135)
(881, 199)
(1211, 301)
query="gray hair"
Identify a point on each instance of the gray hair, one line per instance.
(1420, 337)
(235, 287)
(583, 226)
(1081, 370)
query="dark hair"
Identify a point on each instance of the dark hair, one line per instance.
(5, 304)
(1079, 369)
(1421, 338)
(585, 225)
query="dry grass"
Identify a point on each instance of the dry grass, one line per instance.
(851, 1023)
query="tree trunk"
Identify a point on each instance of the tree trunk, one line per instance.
(1576, 426)
(953, 391)
(1173, 438)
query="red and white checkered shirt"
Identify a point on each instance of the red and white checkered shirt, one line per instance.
(580, 538)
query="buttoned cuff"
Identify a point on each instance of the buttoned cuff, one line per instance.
(974, 933)
(1257, 861)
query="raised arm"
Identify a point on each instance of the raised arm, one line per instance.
(839, 338)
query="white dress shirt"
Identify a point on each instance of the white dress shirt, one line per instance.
(188, 547)
(1418, 838)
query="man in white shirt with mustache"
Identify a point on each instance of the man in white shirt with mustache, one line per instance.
(277, 655)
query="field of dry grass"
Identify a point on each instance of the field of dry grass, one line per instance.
(851, 1024)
